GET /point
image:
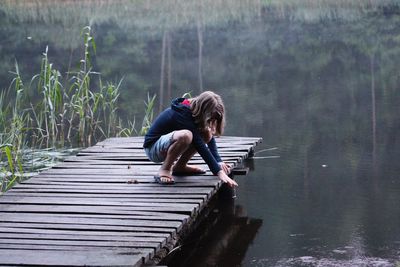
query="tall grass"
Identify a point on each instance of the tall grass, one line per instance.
(12, 172)
(79, 111)
(50, 86)
(149, 114)
(14, 120)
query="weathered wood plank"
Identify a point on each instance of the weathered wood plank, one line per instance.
(141, 201)
(140, 151)
(57, 218)
(110, 210)
(139, 139)
(171, 222)
(101, 172)
(137, 155)
(145, 206)
(82, 243)
(68, 226)
(73, 258)
(117, 196)
(99, 234)
(116, 177)
(199, 183)
(79, 237)
(69, 165)
(134, 188)
(137, 190)
(91, 161)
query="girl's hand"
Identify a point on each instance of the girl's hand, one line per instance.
(225, 178)
(225, 167)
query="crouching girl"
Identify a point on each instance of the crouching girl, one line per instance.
(189, 125)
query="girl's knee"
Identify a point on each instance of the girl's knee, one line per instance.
(183, 136)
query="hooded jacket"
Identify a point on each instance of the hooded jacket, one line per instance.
(179, 117)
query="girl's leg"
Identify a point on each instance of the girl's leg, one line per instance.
(181, 164)
(181, 140)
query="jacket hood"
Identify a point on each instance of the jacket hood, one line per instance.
(177, 105)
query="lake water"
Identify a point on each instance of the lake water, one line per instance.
(318, 81)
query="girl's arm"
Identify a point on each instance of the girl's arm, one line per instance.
(208, 157)
(212, 145)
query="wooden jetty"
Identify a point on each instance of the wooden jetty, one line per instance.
(103, 208)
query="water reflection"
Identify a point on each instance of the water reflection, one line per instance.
(221, 240)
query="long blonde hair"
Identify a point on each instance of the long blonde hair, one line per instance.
(208, 108)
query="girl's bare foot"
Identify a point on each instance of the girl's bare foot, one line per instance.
(164, 177)
(187, 170)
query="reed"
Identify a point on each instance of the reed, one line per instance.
(127, 131)
(12, 171)
(18, 124)
(50, 87)
(14, 120)
(148, 114)
(84, 102)
(109, 95)
(4, 114)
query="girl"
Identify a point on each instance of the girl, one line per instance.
(181, 130)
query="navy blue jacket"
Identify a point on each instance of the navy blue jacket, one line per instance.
(179, 117)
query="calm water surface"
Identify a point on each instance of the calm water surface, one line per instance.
(318, 82)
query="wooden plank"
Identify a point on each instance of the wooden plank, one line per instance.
(188, 209)
(99, 234)
(140, 177)
(165, 207)
(68, 226)
(120, 188)
(201, 188)
(101, 172)
(76, 179)
(141, 201)
(90, 160)
(205, 183)
(137, 155)
(71, 247)
(56, 218)
(171, 222)
(139, 139)
(83, 243)
(5, 237)
(100, 199)
(109, 195)
(6, 199)
(72, 258)
(69, 165)
(127, 210)
(140, 151)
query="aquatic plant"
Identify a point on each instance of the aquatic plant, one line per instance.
(109, 96)
(17, 124)
(50, 86)
(11, 171)
(149, 114)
